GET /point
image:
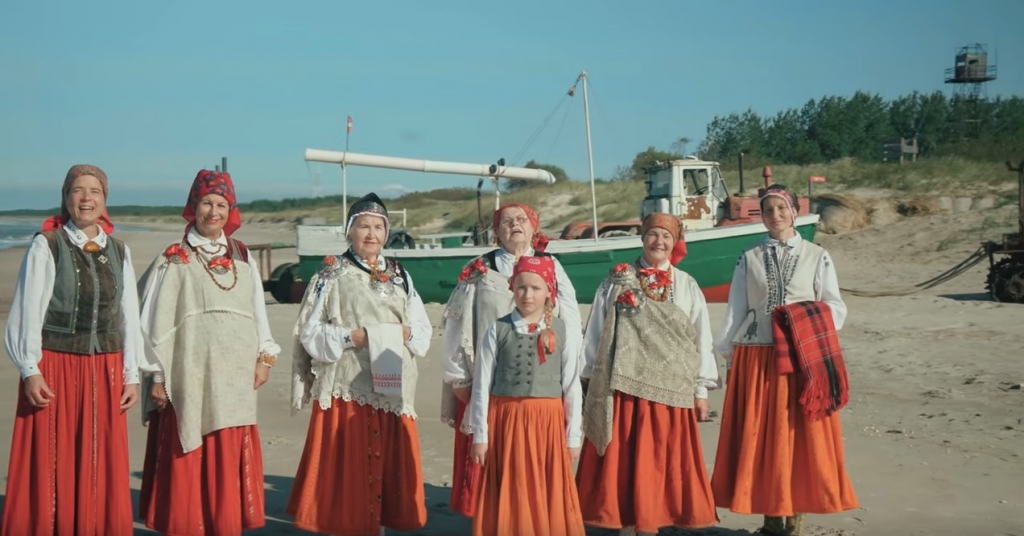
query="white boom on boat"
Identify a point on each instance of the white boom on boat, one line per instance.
(428, 166)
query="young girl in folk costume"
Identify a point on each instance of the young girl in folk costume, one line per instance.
(780, 453)
(649, 365)
(73, 332)
(209, 348)
(481, 297)
(526, 415)
(359, 330)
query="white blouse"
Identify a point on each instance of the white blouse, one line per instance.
(326, 342)
(152, 295)
(454, 369)
(24, 340)
(826, 289)
(572, 393)
(689, 298)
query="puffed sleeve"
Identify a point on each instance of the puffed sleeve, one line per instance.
(419, 325)
(826, 289)
(481, 396)
(707, 376)
(32, 293)
(130, 322)
(735, 311)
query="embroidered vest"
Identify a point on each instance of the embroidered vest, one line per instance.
(517, 368)
(84, 312)
(772, 282)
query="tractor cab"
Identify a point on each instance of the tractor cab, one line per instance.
(691, 189)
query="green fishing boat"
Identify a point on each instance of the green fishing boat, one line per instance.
(719, 226)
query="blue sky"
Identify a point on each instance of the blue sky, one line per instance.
(154, 91)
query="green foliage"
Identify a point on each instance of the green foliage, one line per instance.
(836, 127)
(512, 185)
(643, 160)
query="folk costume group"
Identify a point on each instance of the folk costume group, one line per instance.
(529, 389)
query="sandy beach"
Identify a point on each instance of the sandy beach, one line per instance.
(933, 431)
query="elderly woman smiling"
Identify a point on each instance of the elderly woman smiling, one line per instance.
(360, 327)
(481, 297)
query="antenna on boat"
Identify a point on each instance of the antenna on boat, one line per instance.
(590, 152)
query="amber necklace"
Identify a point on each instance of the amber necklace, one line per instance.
(658, 290)
(210, 271)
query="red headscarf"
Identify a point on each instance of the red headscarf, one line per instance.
(56, 222)
(671, 224)
(545, 268)
(539, 241)
(213, 182)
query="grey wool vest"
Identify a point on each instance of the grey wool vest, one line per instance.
(517, 368)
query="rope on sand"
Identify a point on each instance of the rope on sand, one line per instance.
(968, 263)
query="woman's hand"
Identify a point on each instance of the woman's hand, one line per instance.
(262, 375)
(406, 332)
(479, 453)
(37, 392)
(359, 338)
(703, 409)
(463, 393)
(574, 453)
(158, 395)
(129, 396)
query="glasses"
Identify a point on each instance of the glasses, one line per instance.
(506, 222)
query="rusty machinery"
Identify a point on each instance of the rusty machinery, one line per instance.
(1006, 277)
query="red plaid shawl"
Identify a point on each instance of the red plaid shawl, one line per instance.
(805, 336)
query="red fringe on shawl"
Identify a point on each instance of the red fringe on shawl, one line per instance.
(214, 489)
(68, 472)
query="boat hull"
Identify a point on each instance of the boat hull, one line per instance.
(712, 254)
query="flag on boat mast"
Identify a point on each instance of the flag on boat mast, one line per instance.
(344, 176)
(348, 129)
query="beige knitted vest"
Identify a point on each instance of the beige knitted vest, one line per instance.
(353, 303)
(207, 344)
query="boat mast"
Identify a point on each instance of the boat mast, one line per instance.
(590, 152)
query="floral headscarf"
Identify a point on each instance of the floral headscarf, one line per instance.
(213, 182)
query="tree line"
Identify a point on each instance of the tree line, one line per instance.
(836, 127)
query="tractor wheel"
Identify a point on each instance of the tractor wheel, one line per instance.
(1006, 281)
(281, 287)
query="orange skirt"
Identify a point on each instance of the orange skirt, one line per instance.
(465, 474)
(527, 487)
(360, 470)
(652, 474)
(68, 472)
(771, 459)
(214, 489)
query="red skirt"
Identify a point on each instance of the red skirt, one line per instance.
(360, 470)
(652, 474)
(214, 489)
(68, 472)
(465, 474)
(771, 459)
(527, 487)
